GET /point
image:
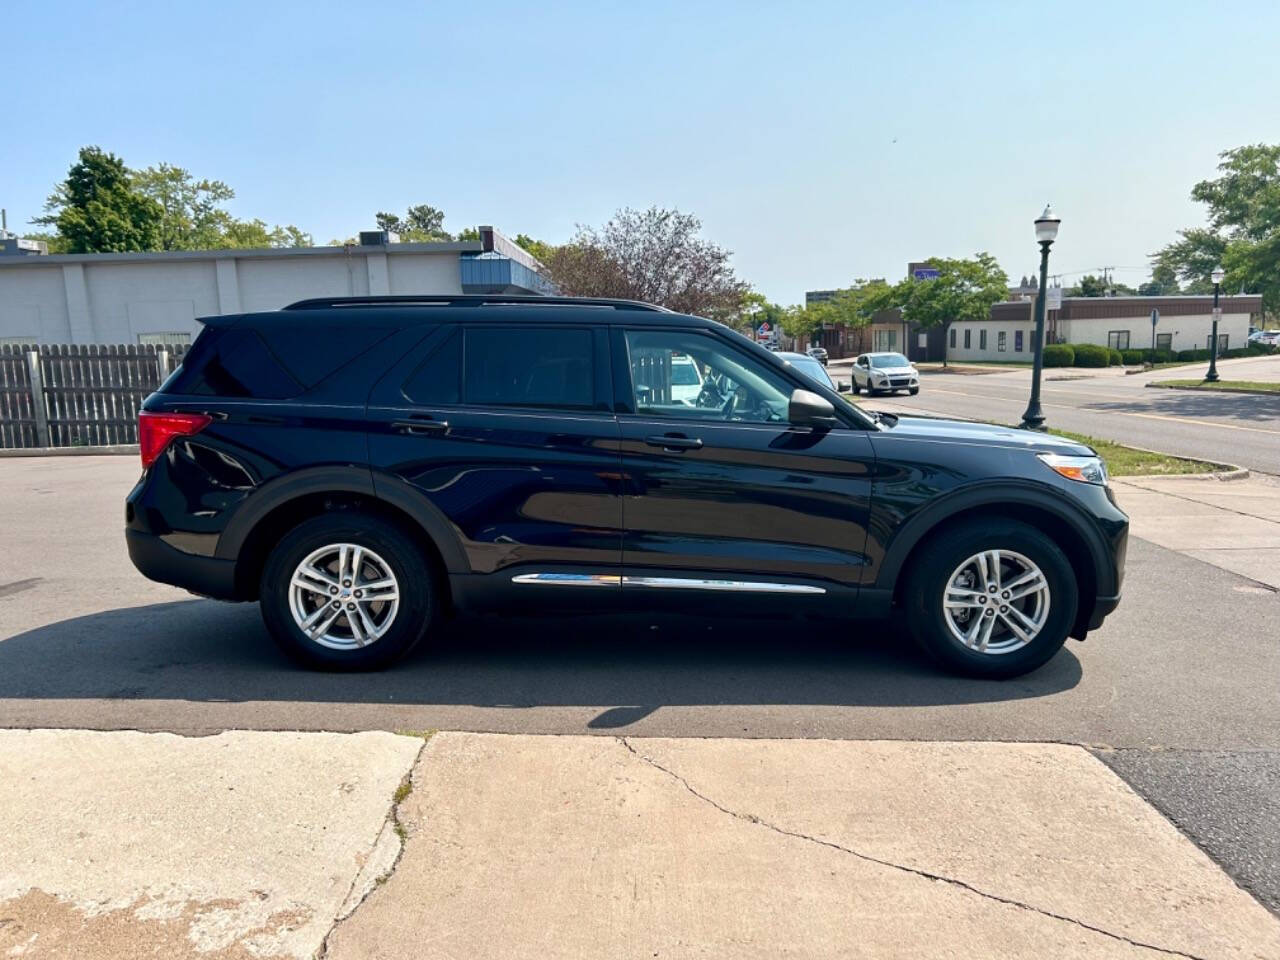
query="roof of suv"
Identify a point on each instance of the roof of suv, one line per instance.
(431, 308)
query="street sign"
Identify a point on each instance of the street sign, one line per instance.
(1155, 317)
(763, 329)
(1053, 298)
(925, 273)
(1217, 314)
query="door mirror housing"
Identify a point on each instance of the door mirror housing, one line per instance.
(807, 409)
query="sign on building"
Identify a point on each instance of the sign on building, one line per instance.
(925, 273)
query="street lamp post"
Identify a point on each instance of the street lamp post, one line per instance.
(1212, 375)
(1046, 233)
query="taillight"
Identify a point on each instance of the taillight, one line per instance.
(155, 430)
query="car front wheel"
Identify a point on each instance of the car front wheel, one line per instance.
(994, 599)
(347, 591)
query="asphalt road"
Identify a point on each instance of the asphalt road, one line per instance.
(1178, 692)
(1242, 428)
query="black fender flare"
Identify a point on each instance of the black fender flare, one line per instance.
(342, 479)
(995, 494)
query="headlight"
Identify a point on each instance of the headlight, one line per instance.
(1084, 469)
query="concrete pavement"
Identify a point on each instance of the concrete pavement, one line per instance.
(264, 845)
(1233, 525)
(126, 845)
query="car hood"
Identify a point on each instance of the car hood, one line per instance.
(928, 428)
(894, 371)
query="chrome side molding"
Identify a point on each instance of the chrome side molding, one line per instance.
(664, 583)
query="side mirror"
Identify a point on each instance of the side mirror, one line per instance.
(844, 387)
(807, 409)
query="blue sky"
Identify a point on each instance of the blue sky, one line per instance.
(820, 142)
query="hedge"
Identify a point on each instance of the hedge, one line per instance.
(1091, 355)
(1059, 355)
(1131, 358)
(1114, 358)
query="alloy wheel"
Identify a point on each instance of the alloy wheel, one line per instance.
(996, 602)
(343, 596)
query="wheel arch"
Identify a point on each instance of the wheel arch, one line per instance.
(282, 505)
(1044, 510)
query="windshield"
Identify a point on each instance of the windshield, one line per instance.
(889, 360)
(684, 374)
(813, 370)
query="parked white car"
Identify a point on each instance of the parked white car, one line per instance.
(686, 380)
(885, 373)
(1268, 338)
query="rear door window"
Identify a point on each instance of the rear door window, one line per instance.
(438, 381)
(529, 367)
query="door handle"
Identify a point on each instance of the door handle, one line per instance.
(674, 442)
(421, 426)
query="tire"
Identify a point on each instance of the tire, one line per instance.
(853, 387)
(386, 553)
(913, 391)
(1007, 653)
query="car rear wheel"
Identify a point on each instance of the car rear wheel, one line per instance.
(994, 599)
(347, 592)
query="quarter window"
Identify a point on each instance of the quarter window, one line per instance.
(678, 374)
(439, 379)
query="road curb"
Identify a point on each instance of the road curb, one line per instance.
(1259, 393)
(115, 450)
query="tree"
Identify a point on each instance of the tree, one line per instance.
(653, 255)
(1095, 286)
(422, 223)
(97, 210)
(193, 217)
(539, 250)
(963, 290)
(1243, 232)
(1163, 282)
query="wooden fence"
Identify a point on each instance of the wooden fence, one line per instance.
(75, 395)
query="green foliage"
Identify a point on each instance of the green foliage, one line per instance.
(422, 223)
(1094, 286)
(1243, 232)
(1188, 356)
(103, 206)
(1163, 282)
(1059, 355)
(542, 251)
(1115, 358)
(1090, 355)
(97, 210)
(963, 290)
(1131, 358)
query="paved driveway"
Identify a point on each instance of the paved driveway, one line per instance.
(1178, 690)
(1243, 428)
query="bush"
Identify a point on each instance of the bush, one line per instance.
(1114, 358)
(1131, 358)
(1190, 356)
(1091, 355)
(1059, 355)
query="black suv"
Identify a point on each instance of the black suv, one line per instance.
(364, 466)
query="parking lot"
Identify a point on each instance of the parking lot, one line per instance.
(1177, 692)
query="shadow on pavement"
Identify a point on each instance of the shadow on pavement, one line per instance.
(202, 650)
(1195, 404)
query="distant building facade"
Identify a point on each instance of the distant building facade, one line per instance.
(1122, 323)
(140, 298)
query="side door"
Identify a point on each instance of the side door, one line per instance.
(723, 494)
(508, 431)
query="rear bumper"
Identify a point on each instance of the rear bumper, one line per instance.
(156, 560)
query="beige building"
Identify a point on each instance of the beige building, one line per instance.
(1123, 323)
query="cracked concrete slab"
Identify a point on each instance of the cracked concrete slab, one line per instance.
(576, 847)
(135, 845)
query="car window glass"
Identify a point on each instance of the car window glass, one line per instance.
(240, 365)
(439, 378)
(311, 356)
(529, 366)
(731, 385)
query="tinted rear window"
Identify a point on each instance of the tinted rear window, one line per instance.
(312, 355)
(439, 379)
(240, 365)
(529, 367)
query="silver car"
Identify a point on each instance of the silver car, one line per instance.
(885, 373)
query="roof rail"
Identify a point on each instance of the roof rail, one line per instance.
(472, 300)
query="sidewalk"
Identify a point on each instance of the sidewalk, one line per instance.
(258, 845)
(1234, 524)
